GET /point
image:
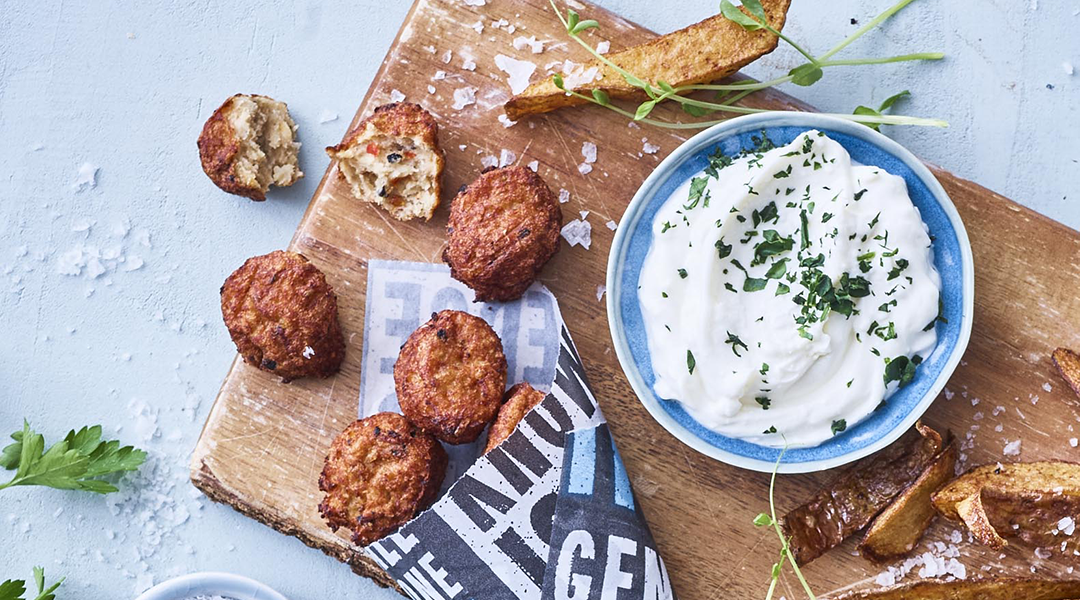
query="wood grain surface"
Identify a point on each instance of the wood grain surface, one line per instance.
(263, 445)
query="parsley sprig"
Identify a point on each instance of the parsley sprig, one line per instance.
(770, 520)
(13, 589)
(728, 94)
(76, 462)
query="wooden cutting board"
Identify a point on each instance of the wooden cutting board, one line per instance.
(263, 444)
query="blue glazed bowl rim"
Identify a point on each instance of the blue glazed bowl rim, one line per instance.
(707, 139)
(210, 583)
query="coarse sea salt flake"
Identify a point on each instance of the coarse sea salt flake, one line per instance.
(534, 165)
(584, 168)
(474, 2)
(506, 122)
(612, 225)
(600, 289)
(564, 196)
(468, 64)
(327, 115)
(588, 150)
(464, 97)
(578, 233)
(535, 46)
(87, 177)
(1073, 442)
(1012, 448)
(506, 157)
(603, 47)
(489, 161)
(430, 89)
(309, 352)
(478, 27)
(396, 95)
(648, 148)
(1067, 67)
(447, 56)
(517, 71)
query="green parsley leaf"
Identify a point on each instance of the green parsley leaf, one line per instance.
(682, 273)
(901, 369)
(771, 429)
(777, 270)
(900, 265)
(764, 402)
(754, 284)
(838, 426)
(724, 250)
(74, 463)
(781, 289)
(690, 361)
(697, 189)
(735, 343)
(764, 368)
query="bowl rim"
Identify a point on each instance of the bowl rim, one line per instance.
(210, 582)
(713, 135)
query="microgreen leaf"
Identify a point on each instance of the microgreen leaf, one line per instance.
(644, 109)
(558, 81)
(732, 13)
(805, 75)
(694, 110)
(584, 25)
(763, 520)
(755, 8)
(572, 19)
(601, 97)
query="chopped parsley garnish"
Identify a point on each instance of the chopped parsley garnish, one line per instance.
(783, 174)
(901, 264)
(667, 225)
(850, 382)
(754, 284)
(859, 194)
(764, 402)
(838, 426)
(769, 213)
(782, 289)
(771, 429)
(772, 245)
(825, 217)
(777, 270)
(724, 250)
(735, 343)
(690, 362)
(874, 221)
(764, 368)
(682, 273)
(729, 287)
(804, 231)
(697, 191)
(901, 369)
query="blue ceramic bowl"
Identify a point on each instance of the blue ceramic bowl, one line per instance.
(225, 585)
(952, 257)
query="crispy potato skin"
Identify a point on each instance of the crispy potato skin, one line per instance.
(1068, 365)
(850, 502)
(895, 532)
(519, 400)
(279, 305)
(450, 376)
(218, 148)
(503, 229)
(706, 51)
(998, 588)
(1016, 500)
(380, 472)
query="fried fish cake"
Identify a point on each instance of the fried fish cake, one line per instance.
(283, 316)
(503, 228)
(249, 144)
(519, 400)
(392, 159)
(380, 472)
(450, 376)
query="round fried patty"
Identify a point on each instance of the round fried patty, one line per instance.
(450, 376)
(380, 472)
(519, 400)
(283, 316)
(503, 229)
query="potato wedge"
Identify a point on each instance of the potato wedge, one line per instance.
(896, 531)
(1017, 500)
(1068, 364)
(706, 51)
(852, 500)
(998, 588)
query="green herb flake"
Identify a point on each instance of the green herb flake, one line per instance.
(838, 426)
(691, 363)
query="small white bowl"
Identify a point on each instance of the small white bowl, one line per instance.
(210, 584)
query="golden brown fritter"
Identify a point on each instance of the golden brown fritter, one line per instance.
(248, 144)
(380, 472)
(503, 229)
(392, 159)
(519, 400)
(283, 316)
(450, 376)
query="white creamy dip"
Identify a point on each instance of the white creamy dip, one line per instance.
(788, 292)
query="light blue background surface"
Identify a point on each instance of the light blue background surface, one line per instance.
(143, 349)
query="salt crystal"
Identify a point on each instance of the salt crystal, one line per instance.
(948, 394)
(1047, 387)
(578, 232)
(489, 161)
(1012, 448)
(430, 89)
(1042, 553)
(438, 76)
(564, 196)
(464, 97)
(1073, 442)
(430, 49)
(506, 157)
(584, 214)
(396, 95)
(603, 47)
(534, 165)
(612, 225)
(588, 150)
(999, 428)
(885, 579)
(468, 64)
(1068, 68)
(584, 168)
(1067, 525)
(308, 352)
(327, 116)
(87, 178)
(478, 27)
(447, 56)
(462, 147)
(600, 289)
(648, 148)
(133, 263)
(518, 71)
(575, 75)
(521, 42)
(474, 2)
